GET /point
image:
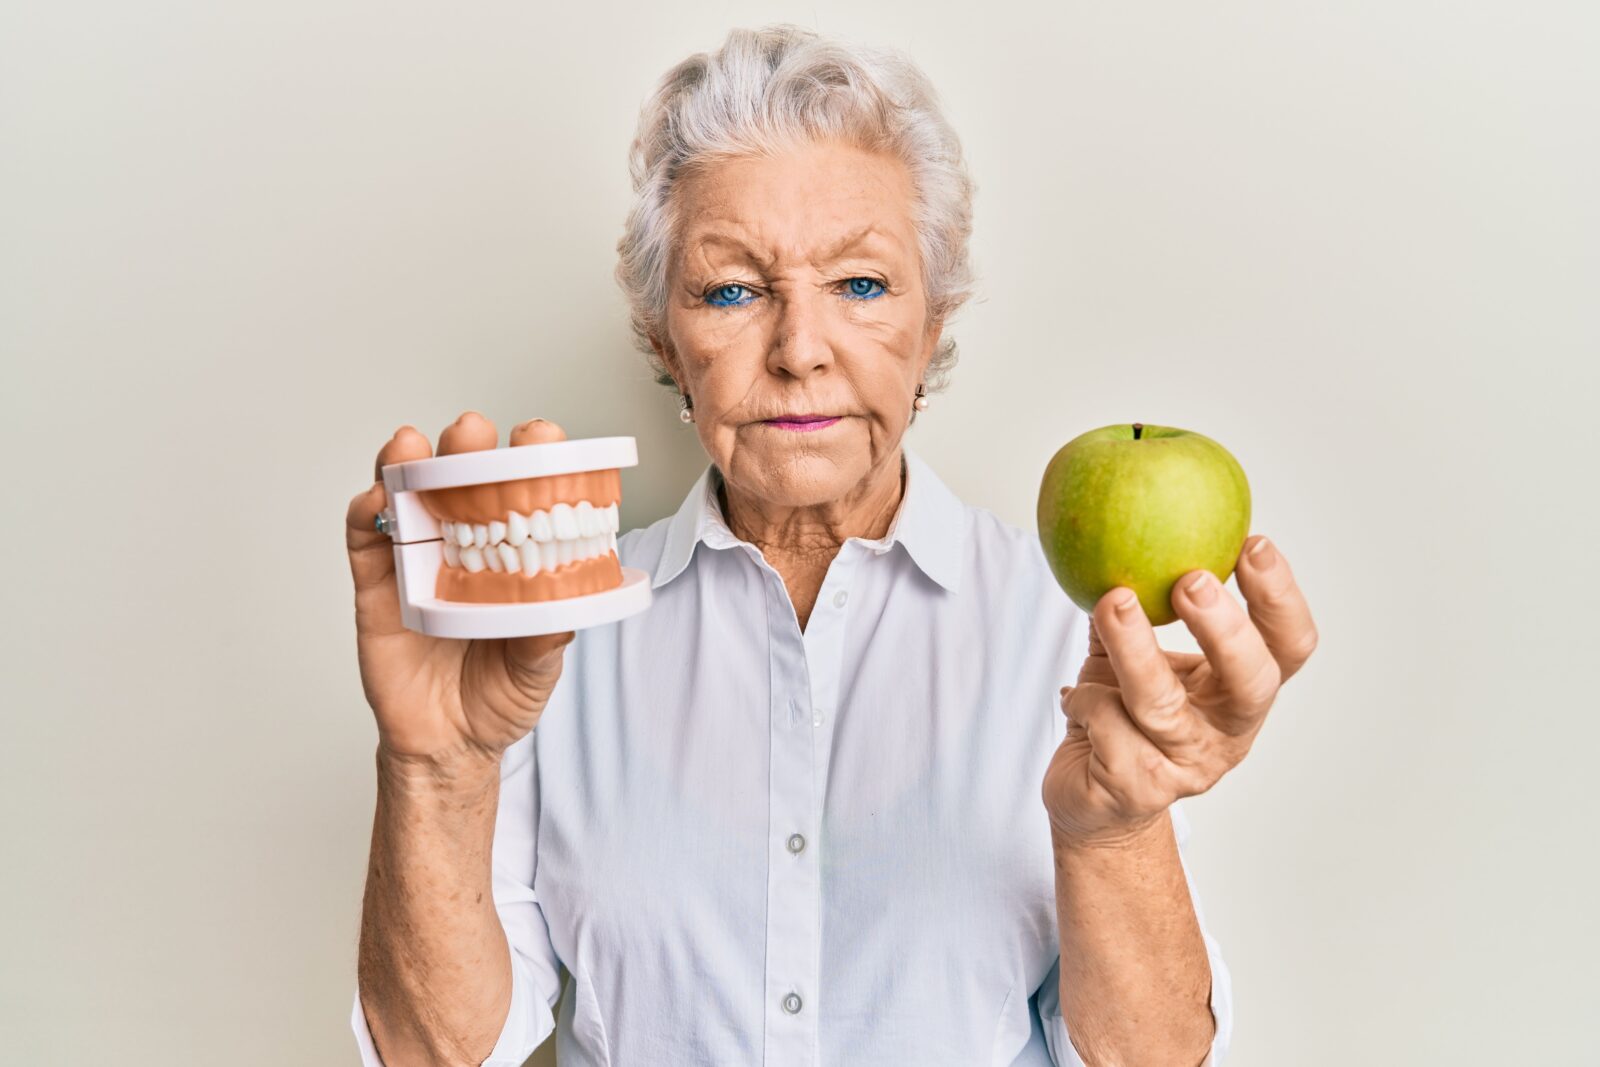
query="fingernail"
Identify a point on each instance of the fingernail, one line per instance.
(1127, 603)
(1262, 557)
(1201, 589)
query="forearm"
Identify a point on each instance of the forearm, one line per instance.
(434, 968)
(1135, 980)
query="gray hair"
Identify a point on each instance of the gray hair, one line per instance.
(780, 85)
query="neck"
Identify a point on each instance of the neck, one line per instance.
(866, 511)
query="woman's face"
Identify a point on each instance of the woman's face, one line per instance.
(796, 290)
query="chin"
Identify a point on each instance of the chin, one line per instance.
(805, 478)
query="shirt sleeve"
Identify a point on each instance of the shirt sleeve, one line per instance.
(1064, 1054)
(535, 973)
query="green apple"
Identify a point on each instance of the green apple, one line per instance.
(1141, 506)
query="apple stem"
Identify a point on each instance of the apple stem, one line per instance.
(1138, 428)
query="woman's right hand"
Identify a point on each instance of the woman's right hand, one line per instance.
(440, 701)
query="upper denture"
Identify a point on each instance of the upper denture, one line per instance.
(494, 501)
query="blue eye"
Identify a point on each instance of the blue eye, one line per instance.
(858, 293)
(717, 297)
(729, 295)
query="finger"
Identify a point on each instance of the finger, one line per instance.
(1277, 606)
(407, 444)
(536, 432)
(1097, 667)
(371, 552)
(1241, 664)
(531, 656)
(471, 432)
(1184, 664)
(1124, 761)
(1152, 692)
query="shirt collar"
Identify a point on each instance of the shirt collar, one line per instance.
(931, 524)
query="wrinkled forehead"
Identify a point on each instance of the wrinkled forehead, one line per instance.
(815, 208)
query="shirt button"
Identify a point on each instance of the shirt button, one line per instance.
(791, 1003)
(839, 598)
(796, 844)
(816, 716)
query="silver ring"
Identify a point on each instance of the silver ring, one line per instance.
(381, 523)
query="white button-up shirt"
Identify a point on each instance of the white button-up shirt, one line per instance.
(750, 844)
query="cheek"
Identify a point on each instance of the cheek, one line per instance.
(708, 351)
(896, 324)
(884, 391)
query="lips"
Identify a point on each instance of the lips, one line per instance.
(802, 423)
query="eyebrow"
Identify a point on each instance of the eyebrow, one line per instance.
(836, 251)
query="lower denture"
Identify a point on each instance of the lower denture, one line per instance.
(578, 578)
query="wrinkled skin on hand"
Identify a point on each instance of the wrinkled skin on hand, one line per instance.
(1145, 726)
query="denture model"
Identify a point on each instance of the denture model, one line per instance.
(512, 542)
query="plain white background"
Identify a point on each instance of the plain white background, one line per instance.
(241, 243)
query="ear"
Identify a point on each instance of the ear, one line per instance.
(930, 344)
(668, 358)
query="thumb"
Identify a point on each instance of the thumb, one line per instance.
(538, 658)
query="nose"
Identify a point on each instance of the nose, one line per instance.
(801, 343)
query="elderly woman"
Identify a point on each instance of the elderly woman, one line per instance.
(791, 814)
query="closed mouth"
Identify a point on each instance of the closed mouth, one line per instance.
(807, 424)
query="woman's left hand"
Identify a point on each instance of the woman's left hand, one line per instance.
(1145, 726)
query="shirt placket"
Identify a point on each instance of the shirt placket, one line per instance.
(805, 690)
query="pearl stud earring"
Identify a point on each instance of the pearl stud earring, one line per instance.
(686, 413)
(921, 402)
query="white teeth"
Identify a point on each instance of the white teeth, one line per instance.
(539, 526)
(546, 539)
(564, 521)
(516, 528)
